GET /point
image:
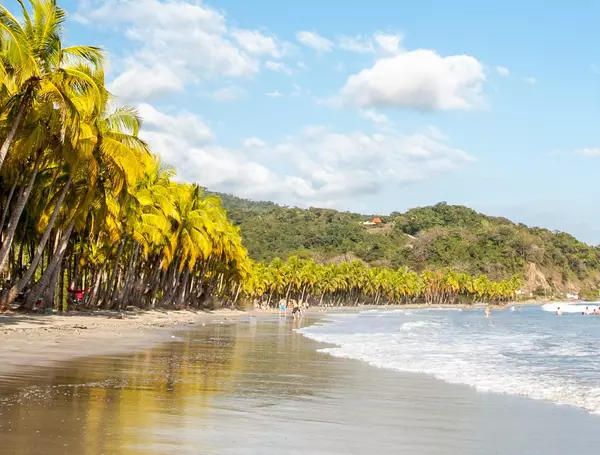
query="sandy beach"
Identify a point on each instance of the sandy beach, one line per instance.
(255, 386)
(32, 340)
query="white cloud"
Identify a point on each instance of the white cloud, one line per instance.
(187, 38)
(419, 79)
(316, 167)
(179, 128)
(279, 67)
(314, 41)
(374, 116)
(589, 152)
(255, 42)
(531, 80)
(228, 94)
(389, 43)
(502, 71)
(254, 142)
(383, 43)
(360, 44)
(140, 82)
(274, 94)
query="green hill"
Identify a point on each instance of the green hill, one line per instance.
(426, 237)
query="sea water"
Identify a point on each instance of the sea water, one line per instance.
(527, 351)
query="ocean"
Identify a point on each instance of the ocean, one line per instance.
(528, 351)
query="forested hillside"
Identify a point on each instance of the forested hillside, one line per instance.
(427, 237)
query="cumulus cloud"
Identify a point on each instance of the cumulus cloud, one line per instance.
(382, 43)
(279, 67)
(145, 82)
(419, 79)
(179, 128)
(389, 43)
(254, 142)
(374, 116)
(588, 152)
(502, 71)
(274, 94)
(360, 44)
(255, 42)
(187, 38)
(228, 94)
(314, 41)
(317, 166)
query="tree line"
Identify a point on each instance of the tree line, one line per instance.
(353, 283)
(89, 216)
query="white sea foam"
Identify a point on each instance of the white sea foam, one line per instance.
(530, 352)
(566, 307)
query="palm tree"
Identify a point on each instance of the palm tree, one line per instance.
(39, 70)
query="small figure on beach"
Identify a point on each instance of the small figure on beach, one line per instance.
(487, 312)
(282, 307)
(559, 312)
(296, 311)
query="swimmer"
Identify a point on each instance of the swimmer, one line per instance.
(559, 312)
(487, 312)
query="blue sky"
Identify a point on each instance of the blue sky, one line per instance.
(370, 106)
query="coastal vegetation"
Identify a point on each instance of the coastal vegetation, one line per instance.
(442, 236)
(351, 283)
(90, 218)
(87, 212)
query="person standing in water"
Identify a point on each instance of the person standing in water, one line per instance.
(282, 307)
(487, 312)
(559, 312)
(296, 311)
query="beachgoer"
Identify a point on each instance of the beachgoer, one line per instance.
(487, 312)
(296, 311)
(559, 312)
(282, 307)
(587, 310)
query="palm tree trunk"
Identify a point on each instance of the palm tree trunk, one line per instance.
(182, 294)
(56, 260)
(95, 288)
(48, 299)
(14, 292)
(129, 275)
(7, 208)
(12, 132)
(17, 211)
(110, 291)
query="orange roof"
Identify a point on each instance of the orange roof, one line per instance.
(376, 220)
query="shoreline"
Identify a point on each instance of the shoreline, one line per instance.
(43, 340)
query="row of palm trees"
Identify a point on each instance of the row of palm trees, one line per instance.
(354, 282)
(86, 211)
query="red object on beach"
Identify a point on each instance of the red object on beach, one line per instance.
(79, 293)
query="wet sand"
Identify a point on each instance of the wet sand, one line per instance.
(30, 339)
(256, 387)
